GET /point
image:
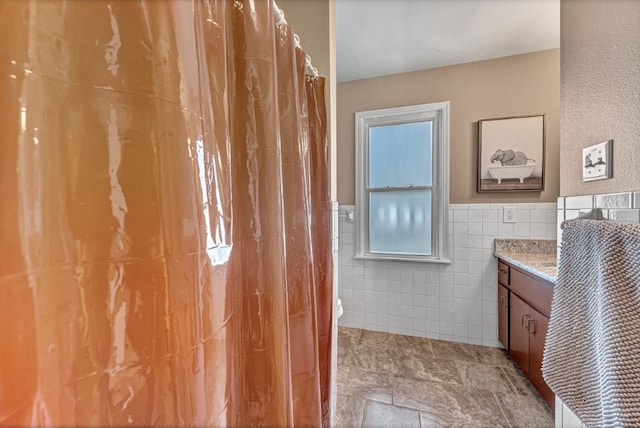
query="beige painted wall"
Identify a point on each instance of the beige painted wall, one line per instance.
(314, 22)
(510, 86)
(600, 91)
(310, 21)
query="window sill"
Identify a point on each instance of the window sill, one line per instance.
(397, 258)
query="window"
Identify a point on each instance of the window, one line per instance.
(402, 183)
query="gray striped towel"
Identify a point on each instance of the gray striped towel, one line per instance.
(592, 353)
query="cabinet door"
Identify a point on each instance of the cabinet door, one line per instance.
(538, 326)
(503, 316)
(503, 273)
(519, 335)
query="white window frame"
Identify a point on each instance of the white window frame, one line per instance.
(438, 114)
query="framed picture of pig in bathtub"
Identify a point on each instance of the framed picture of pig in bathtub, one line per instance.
(511, 154)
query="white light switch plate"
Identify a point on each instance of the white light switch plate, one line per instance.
(509, 215)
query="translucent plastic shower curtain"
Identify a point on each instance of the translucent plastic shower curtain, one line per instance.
(164, 217)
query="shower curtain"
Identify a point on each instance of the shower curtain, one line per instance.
(164, 219)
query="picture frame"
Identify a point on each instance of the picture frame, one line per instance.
(597, 161)
(511, 153)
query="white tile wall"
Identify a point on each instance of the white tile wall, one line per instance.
(624, 207)
(455, 302)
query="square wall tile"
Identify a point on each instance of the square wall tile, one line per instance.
(460, 216)
(347, 226)
(475, 318)
(521, 230)
(538, 216)
(460, 228)
(487, 242)
(627, 216)
(489, 216)
(474, 333)
(348, 238)
(475, 228)
(546, 206)
(616, 200)
(475, 254)
(505, 230)
(578, 202)
(490, 319)
(522, 215)
(538, 230)
(460, 254)
(490, 229)
(460, 241)
(475, 215)
(475, 242)
(571, 214)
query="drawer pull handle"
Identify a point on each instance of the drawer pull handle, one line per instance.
(502, 271)
(522, 321)
(503, 301)
(531, 326)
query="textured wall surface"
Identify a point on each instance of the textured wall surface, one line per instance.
(600, 91)
(311, 21)
(510, 86)
(314, 22)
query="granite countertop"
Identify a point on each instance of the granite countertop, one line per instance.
(537, 256)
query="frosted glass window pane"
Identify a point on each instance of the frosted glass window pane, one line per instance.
(400, 222)
(400, 155)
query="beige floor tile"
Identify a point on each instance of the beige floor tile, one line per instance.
(432, 420)
(484, 376)
(349, 411)
(525, 411)
(492, 356)
(381, 415)
(369, 385)
(520, 384)
(389, 341)
(386, 379)
(449, 400)
(454, 351)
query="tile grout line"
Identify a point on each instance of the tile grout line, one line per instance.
(501, 410)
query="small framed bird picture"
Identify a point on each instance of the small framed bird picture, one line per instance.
(597, 161)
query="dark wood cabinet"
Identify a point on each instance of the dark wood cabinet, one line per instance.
(503, 304)
(524, 305)
(519, 335)
(538, 326)
(503, 273)
(503, 316)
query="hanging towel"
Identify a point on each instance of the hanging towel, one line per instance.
(592, 353)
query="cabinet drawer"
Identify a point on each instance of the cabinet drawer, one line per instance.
(535, 292)
(503, 273)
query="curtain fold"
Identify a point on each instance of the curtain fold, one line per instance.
(299, 253)
(321, 229)
(164, 235)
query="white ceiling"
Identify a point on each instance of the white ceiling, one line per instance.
(381, 37)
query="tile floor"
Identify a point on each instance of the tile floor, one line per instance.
(389, 380)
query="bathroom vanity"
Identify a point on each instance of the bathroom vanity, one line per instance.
(525, 290)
